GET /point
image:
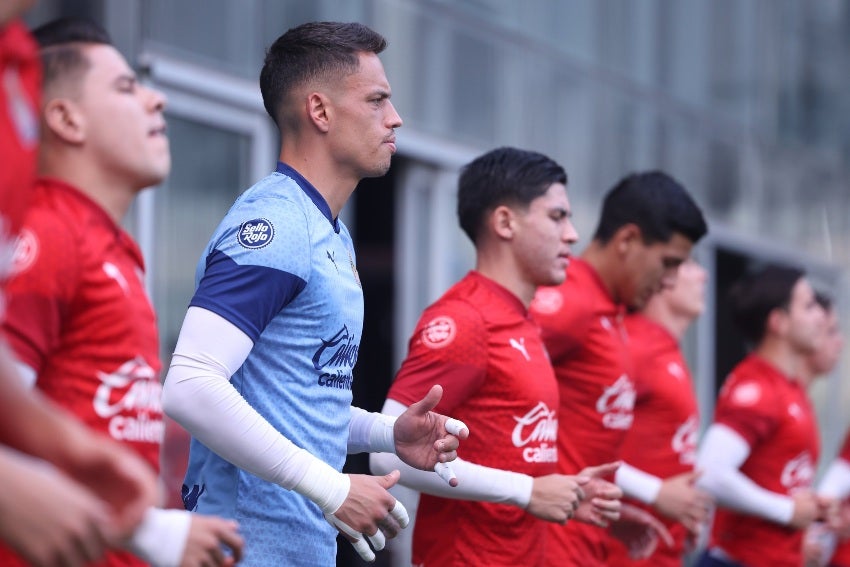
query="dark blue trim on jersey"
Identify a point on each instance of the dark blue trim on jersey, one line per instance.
(247, 296)
(311, 191)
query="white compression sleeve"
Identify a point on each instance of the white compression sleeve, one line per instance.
(720, 457)
(836, 480)
(27, 374)
(161, 537)
(198, 394)
(475, 482)
(370, 432)
(638, 484)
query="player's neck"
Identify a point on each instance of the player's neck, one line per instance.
(782, 356)
(606, 265)
(676, 324)
(324, 175)
(508, 276)
(114, 196)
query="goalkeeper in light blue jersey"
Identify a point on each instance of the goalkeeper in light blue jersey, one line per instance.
(262, 372)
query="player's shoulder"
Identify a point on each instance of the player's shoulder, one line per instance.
(746, 387)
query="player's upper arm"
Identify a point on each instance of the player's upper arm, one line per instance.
(43, 288)
(259, 262)
(448, 347)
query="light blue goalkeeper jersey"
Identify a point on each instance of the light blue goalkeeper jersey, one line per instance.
(281, 269)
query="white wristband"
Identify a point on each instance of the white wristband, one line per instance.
(324, 485)
(381, 437)
(161, 537)
(638, 484)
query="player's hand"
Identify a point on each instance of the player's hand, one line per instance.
(639, 531)
(48, 518)
(208, 535)
(681, 500)
(427, 440)
(602, 498)
(370, 511)
(116, 475)
(808, 507)
(555, 497)
(840, 523)
(818, 545)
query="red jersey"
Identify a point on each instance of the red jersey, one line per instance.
(20, 79)
(79, 315)
(663, 437)
(773, 415)
(584, 334)
(479, 343)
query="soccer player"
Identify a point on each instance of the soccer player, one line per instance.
(78, 316)
(87, 492)
(480, 343)
(662, 440)
(758, 456)
(262, 371)
(646, 229)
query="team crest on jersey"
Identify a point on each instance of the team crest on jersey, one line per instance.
(746, 394)
(256, 233)
(547, 300)
(439, 332)
(26, 251)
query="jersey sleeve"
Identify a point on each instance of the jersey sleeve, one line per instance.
(563, 319)
(258, 262)
(748, 408)
(40, 294)
(448, 347)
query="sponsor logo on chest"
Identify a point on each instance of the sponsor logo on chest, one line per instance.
(335, 359)
(130, 399)
(535, 433)
(616, 404)
(798, 473)
(684, 442)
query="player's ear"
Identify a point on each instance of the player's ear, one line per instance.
(64, 120)
(503, 222)
(319, 111)
(626, 237)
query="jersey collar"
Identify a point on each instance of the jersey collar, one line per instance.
(311, 192)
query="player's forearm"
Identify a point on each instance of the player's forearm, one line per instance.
(475, 482)
(721, 454)
(638, 484)
(198, 394)
(370, 432)
(59, 437)
(160, 539)
(836, 480)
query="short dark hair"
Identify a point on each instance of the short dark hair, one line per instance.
(504, 176)
(315, 50)
(60, 42)
(753, 297)
(655, 202)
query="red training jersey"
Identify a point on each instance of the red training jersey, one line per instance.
(584, 333)
(663, 438)
(772, 413)
(79, 315)
(20, 79)
(479, 343)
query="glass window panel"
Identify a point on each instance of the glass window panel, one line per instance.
(210, 168)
